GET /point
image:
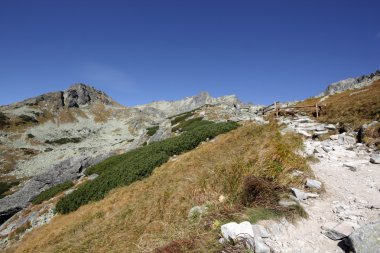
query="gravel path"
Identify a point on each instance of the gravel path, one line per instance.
(351, 195)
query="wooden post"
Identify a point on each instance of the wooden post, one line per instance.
(316, 110)
(276, 108)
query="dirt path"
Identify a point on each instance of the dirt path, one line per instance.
(351, 194)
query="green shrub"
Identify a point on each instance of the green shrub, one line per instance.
(152, 130)
(63, 141)
(190, 124)
(181, 117)
(137, 164)
(49, 193)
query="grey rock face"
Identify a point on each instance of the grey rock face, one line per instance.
(351, 83)
(365, 239)
(67, 170)
(81, 94)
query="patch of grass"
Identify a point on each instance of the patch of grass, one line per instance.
(4, 120)
(259, 213)
(351, 108)
(5, 187)
(137, 164)
(49, 193)
(152, 130)
(64, 141)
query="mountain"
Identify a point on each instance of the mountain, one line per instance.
(351, 83)
(77, 165)
(54, 137)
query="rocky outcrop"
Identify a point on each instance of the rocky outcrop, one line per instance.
(351, 83)
(81, 94)
(69, 169)
(170, 108)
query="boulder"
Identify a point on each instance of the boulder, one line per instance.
(365, 239)
(375, 158)
(338, 231)
(239, 232)
(315, 184)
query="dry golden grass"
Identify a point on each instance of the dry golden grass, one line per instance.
(352, 108)
(100, 112)
(151, 215)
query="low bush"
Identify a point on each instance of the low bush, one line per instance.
(181, 117)
(152, 130)
(137, 164)
(48, 194)
(190, 124)
(64, 141)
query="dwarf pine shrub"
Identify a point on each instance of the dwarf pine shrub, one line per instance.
(122, 170)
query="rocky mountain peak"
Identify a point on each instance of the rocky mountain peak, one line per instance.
(351, 83)
(82, 94)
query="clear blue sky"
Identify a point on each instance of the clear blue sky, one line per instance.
(140, 51)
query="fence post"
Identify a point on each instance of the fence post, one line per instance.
(276, 108)
(316, 110)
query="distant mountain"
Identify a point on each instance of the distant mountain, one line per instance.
(54, 137)
(351, 83)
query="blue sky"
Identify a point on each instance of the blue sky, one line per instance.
(141, 51)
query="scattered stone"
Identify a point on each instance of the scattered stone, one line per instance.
(350, 167)
(319, 150)
(260, 246)
(330, 127)
(344, 139)
(222, 198)
(287, 202)
(375, 158)
(365, 239)
(327, 149)
(300, 195)
(334, 137)
(320, 128)
(304, 133)
(311, 183)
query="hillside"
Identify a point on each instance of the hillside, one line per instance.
(201, 174)
(153, 213)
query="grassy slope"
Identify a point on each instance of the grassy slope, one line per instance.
(152, 213)
(353, 108)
